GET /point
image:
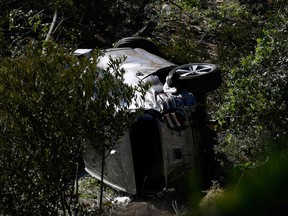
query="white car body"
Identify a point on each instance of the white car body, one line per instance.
(162, 144)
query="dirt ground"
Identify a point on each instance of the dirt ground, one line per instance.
(166, 203)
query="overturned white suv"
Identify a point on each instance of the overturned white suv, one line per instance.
(172, 136)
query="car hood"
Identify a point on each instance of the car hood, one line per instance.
(138, 63)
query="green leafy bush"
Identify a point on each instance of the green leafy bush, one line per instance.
(40, 124)
(52, 106)
(255, 101)
(260, 191)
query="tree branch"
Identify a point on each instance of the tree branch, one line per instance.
(52, 26)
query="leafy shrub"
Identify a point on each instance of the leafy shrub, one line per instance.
(255, 101)
(260, 191)
(40, 142)
(52, 106)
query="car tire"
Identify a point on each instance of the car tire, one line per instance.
(198, 78)
(138, 42)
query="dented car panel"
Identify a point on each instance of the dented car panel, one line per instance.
(119, 169)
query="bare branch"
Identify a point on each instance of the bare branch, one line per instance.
(52, 26)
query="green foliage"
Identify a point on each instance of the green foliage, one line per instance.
(233, 29)
(260, 191)
(179, 36)
(257, 91)
(79, 23)
(195, 3)
(89, 188)
(52, 105)
(259, 7)
(40, 141)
